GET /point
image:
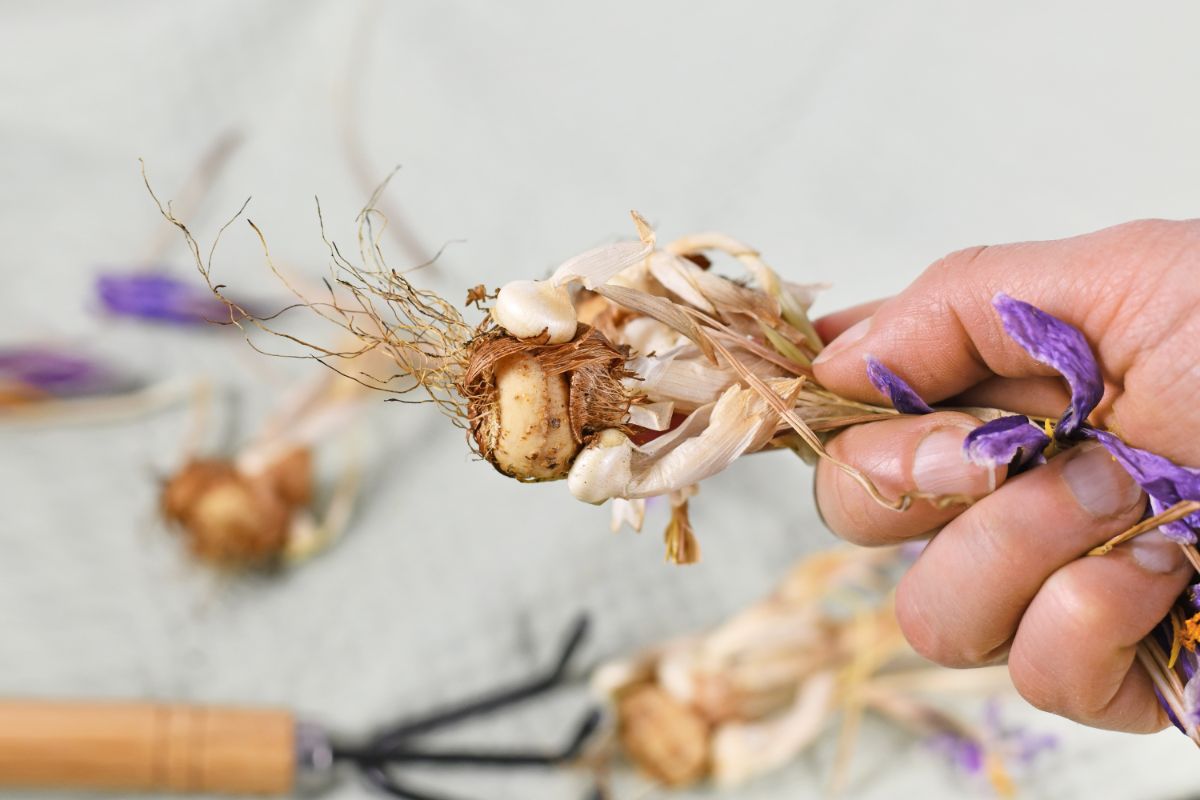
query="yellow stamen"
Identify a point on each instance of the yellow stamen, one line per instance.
(998, 776)
(1051, 448)
(1187, 636)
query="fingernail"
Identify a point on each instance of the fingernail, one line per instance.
(1099, 483)
(939, 466)
(848, 337)
(1156, 553)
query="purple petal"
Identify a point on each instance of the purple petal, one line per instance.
(55, 372)
(1167, 707)
(964, 753)
(1191, 706)
(159, 297)
(1193, 597)
(1059, 345)
(1004, 440)
(1166, 482)
(903, 398)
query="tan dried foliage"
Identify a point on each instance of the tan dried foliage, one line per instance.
(664, 737)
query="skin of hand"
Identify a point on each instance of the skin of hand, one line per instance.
(1007, 578)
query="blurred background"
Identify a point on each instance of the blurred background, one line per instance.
(850, 142)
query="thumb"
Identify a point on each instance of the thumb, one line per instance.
(943, 336)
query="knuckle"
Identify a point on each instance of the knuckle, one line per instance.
(1030, 679)
(938, 639)
(1149, 228)
(920, 626)
(958, 260)
(842, 503)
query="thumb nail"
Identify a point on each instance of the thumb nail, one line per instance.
(843, 342)
(1156, 553)
(939, 466)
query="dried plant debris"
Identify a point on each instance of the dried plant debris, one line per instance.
(752, 694)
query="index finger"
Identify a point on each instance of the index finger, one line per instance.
(944, 335)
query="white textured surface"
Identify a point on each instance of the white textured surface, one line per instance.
(851, 142)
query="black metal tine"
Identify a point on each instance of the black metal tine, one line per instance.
(379, 778)
(493, 758)
(389, 738)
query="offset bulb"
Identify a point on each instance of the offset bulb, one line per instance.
(603, 470)
(526, 309)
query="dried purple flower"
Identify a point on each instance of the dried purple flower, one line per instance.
(1166, 482)
(902, 396)
(1059, 345)
(1006, 440)
(966, 754)
(54, 372)
(1191, 706)
(159, 297)
(1162, 701)
(1003, 743)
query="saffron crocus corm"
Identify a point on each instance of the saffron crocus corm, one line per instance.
(159, 297)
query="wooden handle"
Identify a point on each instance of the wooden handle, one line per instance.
(146, 747)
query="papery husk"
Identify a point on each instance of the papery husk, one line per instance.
(818, 652)
(667, 740)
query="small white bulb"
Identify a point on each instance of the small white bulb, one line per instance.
(526, 309)
(604, 469)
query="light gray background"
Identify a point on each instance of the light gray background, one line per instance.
(850, 142)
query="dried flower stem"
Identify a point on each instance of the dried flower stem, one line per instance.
(1155, 665)
(1175, 512)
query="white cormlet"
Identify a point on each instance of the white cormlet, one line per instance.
(526, 309)
(603, 470)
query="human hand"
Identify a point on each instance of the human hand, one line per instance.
(1007, 577)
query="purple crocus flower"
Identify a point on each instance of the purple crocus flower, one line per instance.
(902, 396)
(1052, 341)
(1008, 742)
(1012, 439)
(159, 297)
(1056, 344)
(1163, 480)
(1191, 706)
(54, 372)
(964, 753)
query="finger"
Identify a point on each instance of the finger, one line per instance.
(960, 603)
(899, 455)
(830, 326)
(1040, 397)
(943, 335)
(1074, 652)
